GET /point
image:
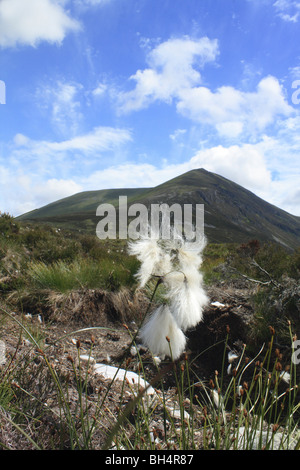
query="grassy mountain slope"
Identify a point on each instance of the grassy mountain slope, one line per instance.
(232, 213)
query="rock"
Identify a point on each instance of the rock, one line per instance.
(133, 351)
(114, 373)
(176, 413)
(217, 304)
(2, 353)
(256, 440)
(87, 358)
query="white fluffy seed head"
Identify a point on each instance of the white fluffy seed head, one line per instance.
(177, 262)
(189, 254)
(159, 326)
(187, 302)
(186, 296)
(154, 261)
(232, 357)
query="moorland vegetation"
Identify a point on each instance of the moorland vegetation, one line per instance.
(55, 285)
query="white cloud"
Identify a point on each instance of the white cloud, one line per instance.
(177, 134)
(295, 76)
(92, 2)
(34, 173)
(54, 189)
(22, 192)
(174, 65)
(28, 22)
(281, 154)
(100, 89)
(232, 111)
(288, 10)
(247, 164)
(230, 129)
(174, 76)
(62, 102)
(98, 140)
(21, 140)
(243, 164)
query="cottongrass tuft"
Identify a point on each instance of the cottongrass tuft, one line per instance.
(187, 298)
(161, 334)
(154, 261)
(177, 263)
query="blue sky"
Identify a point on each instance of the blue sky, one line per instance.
(130, 93)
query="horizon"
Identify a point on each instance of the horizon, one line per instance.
(120, 195)
(115, 94)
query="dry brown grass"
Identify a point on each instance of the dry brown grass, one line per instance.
(96, 306)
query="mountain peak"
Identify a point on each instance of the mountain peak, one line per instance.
(231, 212)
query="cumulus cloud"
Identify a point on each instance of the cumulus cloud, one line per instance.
(173, 66)
(243, 164)
(46, 175)
(233, 112)
(54, 189)
(174, 75)
(246, 164)
(22, 191)
(28, 22)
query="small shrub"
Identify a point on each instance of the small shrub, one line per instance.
(214, 259)
(8, 226)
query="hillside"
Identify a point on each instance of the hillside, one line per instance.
(232, 213)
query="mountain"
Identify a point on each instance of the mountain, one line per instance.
(231, 212)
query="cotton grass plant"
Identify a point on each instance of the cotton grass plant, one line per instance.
(176, 264)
